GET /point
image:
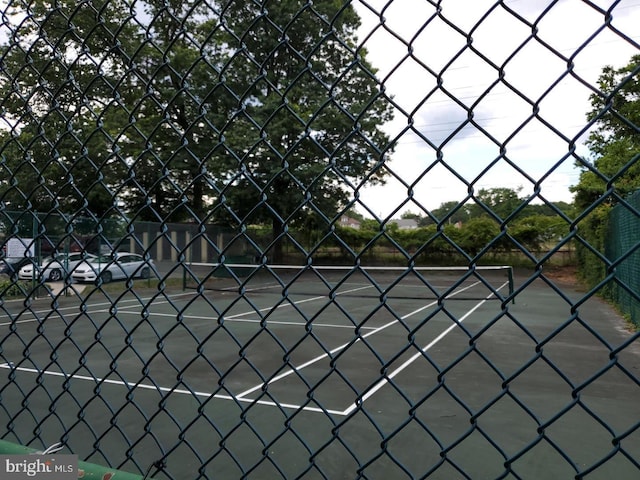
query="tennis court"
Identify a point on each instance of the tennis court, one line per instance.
(439, 376)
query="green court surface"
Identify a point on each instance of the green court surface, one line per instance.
(309, 386)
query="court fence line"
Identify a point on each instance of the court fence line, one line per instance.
(621, 248)
(255, 134)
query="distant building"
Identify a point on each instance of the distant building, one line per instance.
(346, 221)
(405, 223)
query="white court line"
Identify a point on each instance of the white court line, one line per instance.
(91, 308)
(251, 312)
(239, 398)
(382, 382)
(267, 286)
(297, 302)
(180, 391)
(296, 369)
(136, 302)
(254, 320)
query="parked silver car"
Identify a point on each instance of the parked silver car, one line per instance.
(12, 265)
(112, 267)
(54, 269)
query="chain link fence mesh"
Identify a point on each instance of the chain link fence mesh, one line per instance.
(203, 133)
(622, 251)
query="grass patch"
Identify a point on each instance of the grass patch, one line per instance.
(10, 290)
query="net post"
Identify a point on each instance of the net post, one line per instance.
(184, 277)
(511, 284)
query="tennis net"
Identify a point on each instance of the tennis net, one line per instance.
(477, 282)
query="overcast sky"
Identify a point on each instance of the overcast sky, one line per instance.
(405, 38)
(414, 46)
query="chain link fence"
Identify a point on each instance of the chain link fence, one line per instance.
(47, 235)
(354, 145)
(622, 251)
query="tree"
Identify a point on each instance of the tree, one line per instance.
(353, 213)
(52, 150)
(548, 209)
(307, 123)
(537, 232)
(453, 211)
(409, 215)
(477, 234)
(189, 110)
(500, 201)
(175, 101)
(111, 109)
(615, 141)
(614, 169)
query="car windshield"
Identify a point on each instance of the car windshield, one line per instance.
(101, 259)
(63, 258)
(12, 259)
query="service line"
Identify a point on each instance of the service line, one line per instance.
(319, 358)
(383, 381)
(241, 397)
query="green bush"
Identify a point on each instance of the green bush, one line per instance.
(592, 231)
(536, 231)
(444, 243)
(9, 288)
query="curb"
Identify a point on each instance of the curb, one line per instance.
(59, 288)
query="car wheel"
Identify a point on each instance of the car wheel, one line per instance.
(106, 277)
(144, 273)
(55, 275)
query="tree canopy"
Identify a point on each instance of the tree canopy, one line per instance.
(615, 140)
(309, 119)
(614, 170)
(498, 203)
(188, 111)
(105, 106)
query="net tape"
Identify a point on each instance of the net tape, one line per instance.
(494, 282)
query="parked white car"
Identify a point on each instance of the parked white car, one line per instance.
(54, 269)
(112, 267)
